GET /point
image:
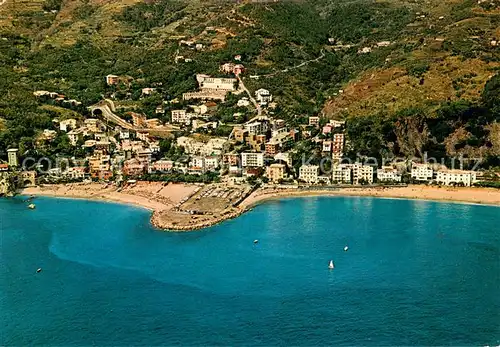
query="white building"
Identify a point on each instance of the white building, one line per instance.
(252, 159)
(93, 125)
(142, 135)
(243, 102)
(216, 84)
(111, 79)
(211, 163)
(309, 173)
(341, 174)
(422, 172)
(192, 146)
(327, 146)
(197, 162)
(67, 125)
(263, 96)
(256, 128)
(124, 134)
(12, 157)
(388, 174)
(279, 131)
(181, 116)
(314, 121)
(75, 173)
(355, 173)
(361, 173)
(40, 93)
(453, 177)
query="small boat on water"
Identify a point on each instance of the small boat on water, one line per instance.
(255, 241)
(346, 249)
(331, 266)
(31, 206)
(39, 270)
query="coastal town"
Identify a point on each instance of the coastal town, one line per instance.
(223, 159)
(250, 172)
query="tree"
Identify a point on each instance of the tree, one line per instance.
(491, 95)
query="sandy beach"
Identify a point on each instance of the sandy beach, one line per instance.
(150, 195)
(487, 196)
(164, 200)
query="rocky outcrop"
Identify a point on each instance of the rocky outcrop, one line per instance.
(159, 221)
(7, 184)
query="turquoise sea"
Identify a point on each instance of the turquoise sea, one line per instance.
(416, 273)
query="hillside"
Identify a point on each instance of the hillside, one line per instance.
(393, 67)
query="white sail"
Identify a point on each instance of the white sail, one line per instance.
(331, 266)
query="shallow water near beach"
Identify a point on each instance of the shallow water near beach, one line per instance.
(416, 273)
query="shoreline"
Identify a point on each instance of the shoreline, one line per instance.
(86, 198)
(421, 193)
(162, 200)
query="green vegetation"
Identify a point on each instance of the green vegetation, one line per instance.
(488, 184)
(410, 111)
(412, 133)
(148, 15)
(52, 5)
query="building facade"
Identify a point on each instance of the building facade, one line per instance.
(388, 174)
(13, 157)
(422, 172)
(456, 177)
(252, 159)
(309, 173)
(341, 174)
(276, 172)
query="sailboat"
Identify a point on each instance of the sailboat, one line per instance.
(331, 265)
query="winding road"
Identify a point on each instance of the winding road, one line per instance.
(107, 107)
(291, 68)
(250, 96)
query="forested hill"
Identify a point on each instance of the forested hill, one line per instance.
(410, 76)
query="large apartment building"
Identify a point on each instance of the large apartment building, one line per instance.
(337, 146)
(309, 173)
(361, 173)
(356, 173)
(422, 172)
(388, 174)
(256, 127)
(276, 172)
(341, 174)
(452, 177)
(216, 84)
(181, 116)
(252, 159)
